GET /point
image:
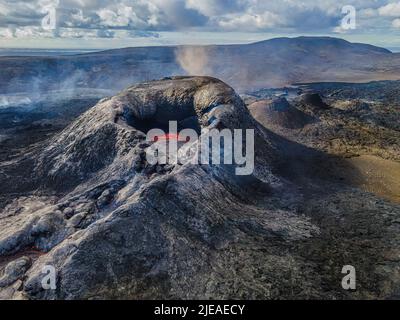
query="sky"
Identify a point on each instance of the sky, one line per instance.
(102, 24)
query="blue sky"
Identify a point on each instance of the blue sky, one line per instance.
(100, 24)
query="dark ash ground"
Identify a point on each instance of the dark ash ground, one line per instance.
(325, 194)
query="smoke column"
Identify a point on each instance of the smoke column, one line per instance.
(194, 60)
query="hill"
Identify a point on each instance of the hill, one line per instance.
(270, 63)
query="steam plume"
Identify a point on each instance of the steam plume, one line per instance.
(194, 60)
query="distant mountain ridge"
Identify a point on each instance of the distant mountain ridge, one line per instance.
(323, 41)
(270, 63)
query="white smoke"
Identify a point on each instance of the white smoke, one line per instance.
(13, 100)
(194, 60)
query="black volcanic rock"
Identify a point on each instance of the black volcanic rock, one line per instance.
(313, 100)
(114, 129)
(116, 227)
(129, 210)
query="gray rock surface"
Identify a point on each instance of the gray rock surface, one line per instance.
(15, 270)
(279, 112)
(114, 226)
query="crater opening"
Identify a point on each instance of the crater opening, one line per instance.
(185, 118)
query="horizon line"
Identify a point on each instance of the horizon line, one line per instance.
(117, 47)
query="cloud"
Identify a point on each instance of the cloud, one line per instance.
(390, 10)
(122, 17)
(6, 33)
(367, 13)
(250, 22)
(142, 34)
(396, 23)
(78, 19)
(105, 33)
(147, 18)
(215, 7)
(31, 32)
(4, 10)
